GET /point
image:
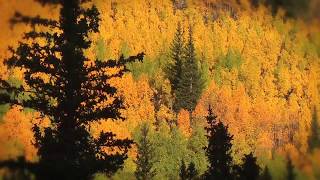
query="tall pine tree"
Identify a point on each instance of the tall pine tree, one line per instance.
(249, 170)
(190, 83)
(183, 174)
(177, 49)
(184, 72)
(69, 89)
(218, 150)
(192, 172)
(145, 155)
(189, 173)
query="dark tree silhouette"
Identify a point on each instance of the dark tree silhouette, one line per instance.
(249, 170)
(265, 174)
(218, 150)
(145, 155)
(192, 171)
(71, 90)
(290, 170)
(183, 171)
(189, 173)
(314, 137)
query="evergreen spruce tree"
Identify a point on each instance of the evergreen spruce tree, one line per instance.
(177, 48)
(190, 84)
(290, 170)
(192, 172)
(183, 171)
(249, 170)
(314, 138)
(189, 173)
(145, 155)
(218, 150)
(265, 174)
(69, 89)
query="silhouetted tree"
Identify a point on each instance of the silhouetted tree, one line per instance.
(190, 84)
(218, 150)
(183, 171)
(314, 137)
(265, 174)
(189, 173)
(290, 170)
(71, 90)
(249, 170)
(145, 155)
(192, 171)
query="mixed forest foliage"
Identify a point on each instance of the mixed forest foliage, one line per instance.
(255, 63)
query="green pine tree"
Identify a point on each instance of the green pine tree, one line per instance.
(192, 172)
(189, 173)
(314, 138)
(177, 48)
(183, 171)
(145, 156)
(190, 84)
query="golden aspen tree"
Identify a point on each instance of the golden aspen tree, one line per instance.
(183, 122)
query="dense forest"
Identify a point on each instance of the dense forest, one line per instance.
(160, 89)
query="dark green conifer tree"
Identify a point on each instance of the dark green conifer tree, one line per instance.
(190, 84)
(183, 171)
(69, 89)
(145, 155)
(177, 48)
(189, 173)
(218, 150)
(290, 170)
(192, 172)
(249, 170)
(314, 137)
